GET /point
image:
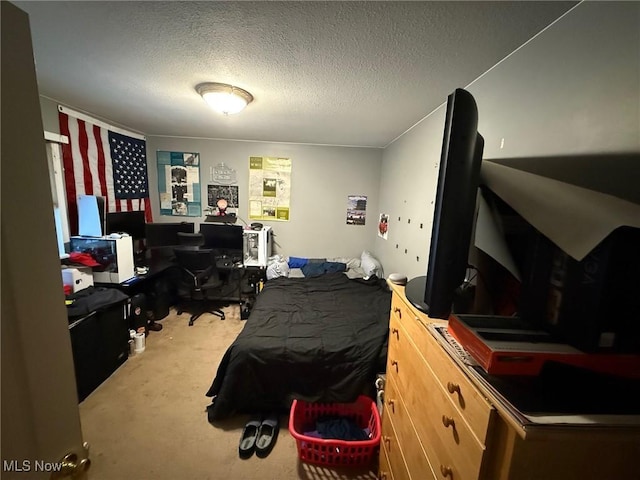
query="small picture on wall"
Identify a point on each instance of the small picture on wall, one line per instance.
(222, 197)
(179, 208)
(383, 225)
(356, 209)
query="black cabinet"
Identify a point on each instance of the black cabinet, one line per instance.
(99, 341)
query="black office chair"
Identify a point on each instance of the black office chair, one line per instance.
(190, 239)
(199, 282)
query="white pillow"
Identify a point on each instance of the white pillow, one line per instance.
(370, 265)
(350, 262)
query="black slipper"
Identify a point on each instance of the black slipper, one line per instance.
(267, 435)
(248, 438)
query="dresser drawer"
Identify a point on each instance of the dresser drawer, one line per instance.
(454, 452)
(392, 450)
(441, 428)
(475, 409)
(401, 312)
(384, 470)
(415, 457)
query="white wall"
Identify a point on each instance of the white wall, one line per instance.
(571, 92)
(322, 178)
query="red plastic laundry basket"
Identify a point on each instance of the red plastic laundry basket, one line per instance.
(332, 452)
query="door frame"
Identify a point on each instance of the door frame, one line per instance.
(40, 416)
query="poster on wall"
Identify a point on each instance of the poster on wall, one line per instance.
(222, 199)
(269, 188)
(179, 183)
(356, 209)
(383, 225)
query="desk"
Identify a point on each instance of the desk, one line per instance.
(158, 267)
(158, 285)
(160, 282)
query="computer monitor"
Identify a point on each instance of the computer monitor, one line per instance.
(223, 239)
(166, 234)
(132, 223)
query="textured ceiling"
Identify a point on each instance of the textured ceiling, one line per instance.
(337, 73)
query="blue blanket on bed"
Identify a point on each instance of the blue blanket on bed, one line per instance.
(317, 269)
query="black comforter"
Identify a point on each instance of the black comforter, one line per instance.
(316, 339)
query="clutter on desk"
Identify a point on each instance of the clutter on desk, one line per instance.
(142, 270)
(83, 258)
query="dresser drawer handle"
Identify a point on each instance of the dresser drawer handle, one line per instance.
(387, 441)
(395, 332)
(446, 471)
(394, 363)
(398, 311)
(392, 404)
(383, 475)
(455, 388)
(448, 421)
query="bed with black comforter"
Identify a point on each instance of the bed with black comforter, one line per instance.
(319, 339)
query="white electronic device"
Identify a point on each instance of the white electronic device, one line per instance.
(115, 256)
(78, 278)
(257, 247)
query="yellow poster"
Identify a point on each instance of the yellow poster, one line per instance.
(269, 188)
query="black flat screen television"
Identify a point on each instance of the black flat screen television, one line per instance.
(132, 223)
(455, 208)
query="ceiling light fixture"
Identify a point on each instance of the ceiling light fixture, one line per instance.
(223, 98)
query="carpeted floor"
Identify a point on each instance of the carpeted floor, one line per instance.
(148, 420)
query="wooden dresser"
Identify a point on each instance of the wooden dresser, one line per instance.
(440, 422)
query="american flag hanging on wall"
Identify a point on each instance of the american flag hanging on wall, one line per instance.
(98, 161)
